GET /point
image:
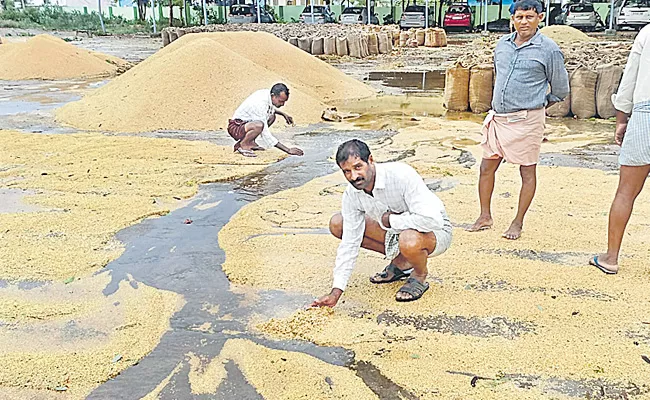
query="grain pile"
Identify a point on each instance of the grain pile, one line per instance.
(197, 82)
(563, 34)
(50, 58)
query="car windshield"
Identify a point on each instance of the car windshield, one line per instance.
(458, 10)
(353, 10)
(415, 9)
(637, 3)
(317, 10)
(241, 10)
(582, 8)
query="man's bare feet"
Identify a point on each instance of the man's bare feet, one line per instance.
(514, 232)
(481, 224)
(605, 263)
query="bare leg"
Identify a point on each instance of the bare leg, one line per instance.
(485, 189)
(374, 239)
(253, 130)
(629, 186)
(416, 247)
(528, 187)
(270, 122)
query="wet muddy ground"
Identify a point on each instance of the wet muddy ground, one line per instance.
(256, 249)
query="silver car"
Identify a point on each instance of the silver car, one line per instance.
(357, 15)
(579, 15)
(414, 16)
(321, 15)
(247, 14)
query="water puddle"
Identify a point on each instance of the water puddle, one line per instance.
(412, 81)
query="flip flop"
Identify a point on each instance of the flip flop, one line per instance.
(413, 287)
(398, 274)
(596, 264)
(258, 148)
(245, 152)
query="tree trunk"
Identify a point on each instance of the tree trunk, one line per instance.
(142, 10)
(182, 11)
(101, 18)
(171, 13)
(500, 8)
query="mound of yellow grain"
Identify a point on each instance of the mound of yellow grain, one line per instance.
(565, 34)
(198, 81)
(50, 58)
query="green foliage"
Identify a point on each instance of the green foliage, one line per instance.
(55, 18)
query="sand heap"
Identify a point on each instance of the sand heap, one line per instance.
(48, 57)
(197, 82)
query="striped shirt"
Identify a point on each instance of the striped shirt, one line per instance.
(399, 189)
(523, 74)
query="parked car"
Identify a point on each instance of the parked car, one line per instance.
(247, 14)
(357, 15)
(579, 15)
(458, 17)
(630, 13)
(322, 15)
(414, 17)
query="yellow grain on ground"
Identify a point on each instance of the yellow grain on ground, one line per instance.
(91, 186)
(284, 375)
(205, 376)
(77, 351)
(521, 311)
(203, 84)
(51, 58)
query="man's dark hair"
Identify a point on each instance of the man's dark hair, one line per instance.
(525, 5)
(278, 88)
(352, 148)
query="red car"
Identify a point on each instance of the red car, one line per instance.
(458, 17)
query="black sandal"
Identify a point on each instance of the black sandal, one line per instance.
(398, 274)
(413, 287)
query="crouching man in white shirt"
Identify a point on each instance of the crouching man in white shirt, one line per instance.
(386, 208)
(250, 124)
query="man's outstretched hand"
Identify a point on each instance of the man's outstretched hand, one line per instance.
(329, 300)
(289, 119)
(294, 151)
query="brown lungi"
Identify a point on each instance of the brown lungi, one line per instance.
(237, 129)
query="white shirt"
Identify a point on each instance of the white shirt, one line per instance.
(258, 107)
(635, 84)
(399, 189)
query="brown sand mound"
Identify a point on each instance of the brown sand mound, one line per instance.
(47, 57)
(197, 82)
(565, 34)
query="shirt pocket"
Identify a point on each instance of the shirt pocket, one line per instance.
(529, 72)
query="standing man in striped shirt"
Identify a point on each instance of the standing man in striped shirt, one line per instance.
(526, 63)
(632, 103)
(386, 208)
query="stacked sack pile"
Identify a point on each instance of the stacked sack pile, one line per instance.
(595, 71)
(430, 37)
(358, 41)
(371, 41)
